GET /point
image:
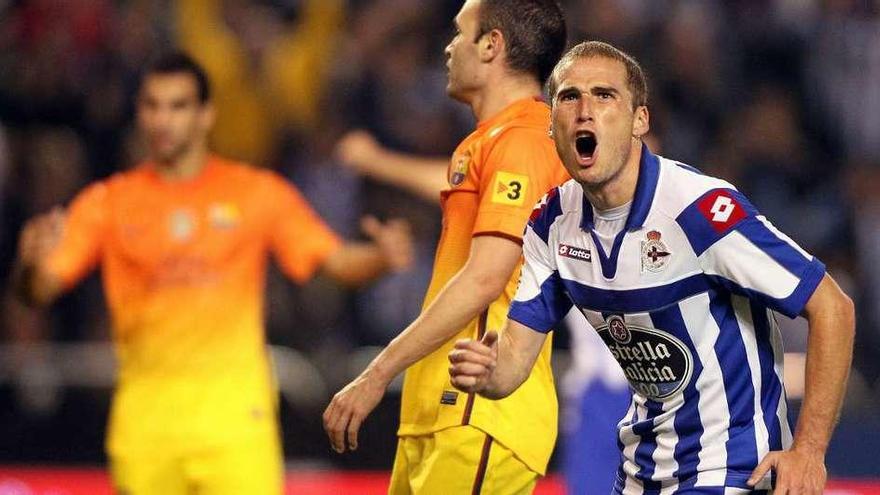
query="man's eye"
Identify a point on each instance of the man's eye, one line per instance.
(604, 95)
(568, 97)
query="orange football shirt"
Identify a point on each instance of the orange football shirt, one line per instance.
(183, 265)
(496, 176)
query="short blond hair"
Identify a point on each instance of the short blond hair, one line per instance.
(635, 76)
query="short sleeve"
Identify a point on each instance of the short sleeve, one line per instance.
(541, 301)
(299, 238)
(518, 169)
(740, 250)
(84, 234)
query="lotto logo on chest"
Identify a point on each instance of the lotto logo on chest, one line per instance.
(575, 253)
(655, 255)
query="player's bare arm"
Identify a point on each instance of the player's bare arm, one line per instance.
(482, 279)
(495, 367)
(424, 177)
(357, 263)
(34, 284)
(831, 316)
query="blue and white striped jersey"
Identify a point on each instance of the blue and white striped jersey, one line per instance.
(684, 302)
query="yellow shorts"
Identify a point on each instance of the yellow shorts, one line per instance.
(253, 465)
(461, 459)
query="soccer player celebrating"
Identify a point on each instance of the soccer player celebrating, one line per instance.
(498, 60)
(679, 274)
(182, 242)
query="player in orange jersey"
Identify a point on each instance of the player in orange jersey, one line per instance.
(502, 53)
(182, 242)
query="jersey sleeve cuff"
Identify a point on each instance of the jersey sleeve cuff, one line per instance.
(510, 224)
(521, 312)
(793, 305)
(304, 272)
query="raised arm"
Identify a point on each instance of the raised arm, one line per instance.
(423, 176)
(493, 367)
(356, 263)
(304, 244)
(831, 317)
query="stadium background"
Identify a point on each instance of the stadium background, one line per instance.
(779, 96)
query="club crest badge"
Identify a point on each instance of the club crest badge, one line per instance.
(224, 216)
(181, 224)
(655, 254)
(618, 330)
(460, 165)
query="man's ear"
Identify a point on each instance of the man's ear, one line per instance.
(208, 117)
(641, 122)
(491, 45)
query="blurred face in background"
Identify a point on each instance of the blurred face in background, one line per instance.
(463, 54)
(595, 126)
(171, 117)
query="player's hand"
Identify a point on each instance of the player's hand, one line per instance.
(40, 236)
(393, 239)
(472, 362)
(797, 472)
(348, 409)
(359, 150)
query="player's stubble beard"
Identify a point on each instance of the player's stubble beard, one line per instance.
(171, 155)
(179, 151)
(619, 159)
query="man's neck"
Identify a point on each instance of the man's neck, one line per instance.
(184, 167)
(500, 92)
(620, 189)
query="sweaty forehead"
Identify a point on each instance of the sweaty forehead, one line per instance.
(593, 70)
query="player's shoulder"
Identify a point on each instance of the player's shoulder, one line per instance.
(531, 119)
(242, 172)
(523, 148)
(514, 135)
(243, 176)
(121, 183)
(565, 198)
(94, 194)
(706, 208)
(571, 196)
(681, 185)
(562, 200)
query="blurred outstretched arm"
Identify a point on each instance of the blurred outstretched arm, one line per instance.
(423, 176)
(32, 281)
(357, 263)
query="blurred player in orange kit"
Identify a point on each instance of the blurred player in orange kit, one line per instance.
(498, 60)
(182, 241)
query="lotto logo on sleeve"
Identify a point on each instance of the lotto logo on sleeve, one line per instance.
(509, 189)
(721, 209)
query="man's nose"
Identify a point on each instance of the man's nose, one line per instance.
(585, 110)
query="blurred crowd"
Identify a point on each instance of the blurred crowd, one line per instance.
(778, 96)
